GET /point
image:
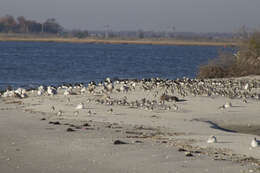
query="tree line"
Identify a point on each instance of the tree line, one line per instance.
(8, 24)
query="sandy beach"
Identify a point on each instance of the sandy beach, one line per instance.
(147, 125)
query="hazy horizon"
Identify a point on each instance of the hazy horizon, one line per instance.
(184, 15)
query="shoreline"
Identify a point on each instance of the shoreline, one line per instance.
(117, 41)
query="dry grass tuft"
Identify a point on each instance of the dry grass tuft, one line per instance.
(245, 62)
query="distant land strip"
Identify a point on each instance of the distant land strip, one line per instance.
(121, 41)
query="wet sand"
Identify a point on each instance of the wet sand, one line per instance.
(247, 129)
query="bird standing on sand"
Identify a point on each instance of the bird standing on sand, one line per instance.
(227, 105)
(52, 108)
(67, 92)
(59, 113)
(51, 90)
(76, 113)
(40, 91)
(212, 139)
(110, 110)
(80, 106)
(254, 143)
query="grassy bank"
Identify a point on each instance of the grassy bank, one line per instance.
(243, 63)
(116, 41)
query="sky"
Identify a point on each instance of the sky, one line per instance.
(157, 15)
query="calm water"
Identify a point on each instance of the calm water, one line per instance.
(29, 64)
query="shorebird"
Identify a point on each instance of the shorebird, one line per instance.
(83, 90)
(227, 105)
(76, 113)
(67, 92)
(80, 106)
(59, 113)
(109, 87)
(254, 143)
(51, 90)
(52, 108)
(110, 110)
(40, 91)
(245, 101)
(246, 86)
(175, 107)
(212, 139)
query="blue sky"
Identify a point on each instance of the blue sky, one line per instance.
(185, 15)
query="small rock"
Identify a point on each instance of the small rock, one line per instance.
(70, 130)
(86, 125)
(54, 122)
(181, 150)
(119, 142)
(188, 154)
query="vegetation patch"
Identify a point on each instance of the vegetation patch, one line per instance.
(245, 62)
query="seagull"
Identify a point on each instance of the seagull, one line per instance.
(59, 113)
(83, 90)
(246, 86)
(212, 139)
(76, 113)
(67, 92)
(175, 107)
(51, 90)
(80, 106)
(254, 143)
(40, 91)
(227, 105)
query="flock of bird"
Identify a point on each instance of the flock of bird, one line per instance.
(163, 91)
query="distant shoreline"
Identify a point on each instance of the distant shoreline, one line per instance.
(119, 41)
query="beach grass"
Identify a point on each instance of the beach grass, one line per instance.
(116, 41)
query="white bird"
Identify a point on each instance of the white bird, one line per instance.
(246, 86)
(51, 91)
(20, 91)
(254, 143)
(76, 113)
(83, 90)
(68, 91)
(80, 106)
(227, 105)
(40, 92)
(175, 107)
(109, 87)
(212, 139)
(59, 113)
